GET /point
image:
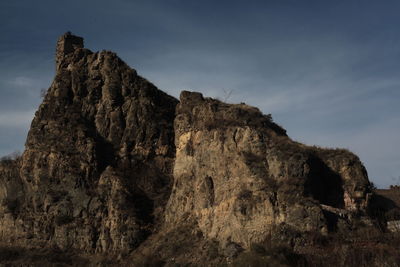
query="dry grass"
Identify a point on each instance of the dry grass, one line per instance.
(18, 256)
(361, 248)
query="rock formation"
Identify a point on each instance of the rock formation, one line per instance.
(240, 176)
(96, 170)
(111, 162)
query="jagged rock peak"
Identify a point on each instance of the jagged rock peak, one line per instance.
(210, 113)
(114, 165)
(101, 145)
(243, 180)
(67, 43)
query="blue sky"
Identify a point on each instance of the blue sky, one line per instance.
(328, 71)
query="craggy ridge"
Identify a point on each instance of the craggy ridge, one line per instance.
(114, 165)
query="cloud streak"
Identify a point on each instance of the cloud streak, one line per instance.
(16, 119)
(328, 72)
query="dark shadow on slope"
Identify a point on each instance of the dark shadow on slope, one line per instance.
(18, 256)
(323, 184)
(105, 153)
(143, 207)
(331, 219)
(383, 209)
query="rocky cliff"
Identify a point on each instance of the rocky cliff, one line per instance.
(113, 164)
(96, 171)
(240, 176)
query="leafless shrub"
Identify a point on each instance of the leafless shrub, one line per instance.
(227, 94)
(43, 92)
(12, 156)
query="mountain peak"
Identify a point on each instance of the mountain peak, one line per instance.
(66, 44)
(112, 164)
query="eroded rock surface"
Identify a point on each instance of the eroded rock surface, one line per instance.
(96, 171)
(112, 162)
(240, 176)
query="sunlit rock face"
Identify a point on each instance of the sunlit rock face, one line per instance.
(111, 161)
(240, 176)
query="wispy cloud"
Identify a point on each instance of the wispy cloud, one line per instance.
(24, 82)
(328, 72)
(16, 119)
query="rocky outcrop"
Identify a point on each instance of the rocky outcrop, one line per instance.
(240, 176)
(96, 171)
(110, 160)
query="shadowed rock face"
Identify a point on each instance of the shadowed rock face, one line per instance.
(106, 146)
(96, 171)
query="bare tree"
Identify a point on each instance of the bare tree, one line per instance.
(227, 94)
(12, 156)
(43, 92)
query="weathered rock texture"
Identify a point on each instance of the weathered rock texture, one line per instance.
(239, 175)
(106, 146)
(96, 171)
